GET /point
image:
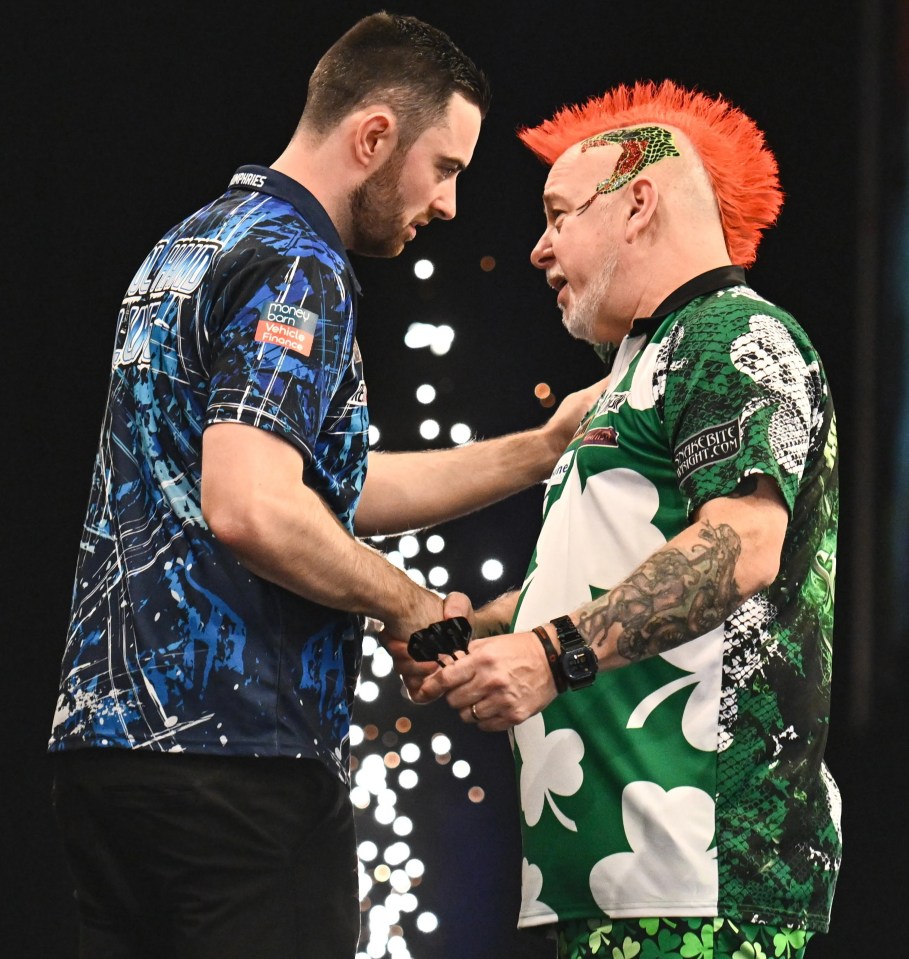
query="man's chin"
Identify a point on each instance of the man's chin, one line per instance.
(580, 331)
(384, 251)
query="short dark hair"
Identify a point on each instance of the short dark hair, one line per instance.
(413, 67)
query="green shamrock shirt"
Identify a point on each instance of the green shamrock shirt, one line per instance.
(692, 783)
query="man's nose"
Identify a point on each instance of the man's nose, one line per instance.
(541, 254)
(445, 204)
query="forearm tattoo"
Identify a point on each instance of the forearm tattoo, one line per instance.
(494, 619)
(493, 627)
(670, 598)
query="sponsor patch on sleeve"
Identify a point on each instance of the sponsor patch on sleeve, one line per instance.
(711, 445)
(288, 326)
(601, 436)
(560, 470)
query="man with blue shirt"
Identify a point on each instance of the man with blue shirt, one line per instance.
(201, 729)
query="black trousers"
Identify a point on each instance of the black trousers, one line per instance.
(196, 857)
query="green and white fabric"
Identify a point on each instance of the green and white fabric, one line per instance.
(693, 783)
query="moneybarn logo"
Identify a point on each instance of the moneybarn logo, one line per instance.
(288, 326)
(711, 445)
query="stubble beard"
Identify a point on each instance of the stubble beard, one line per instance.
(377, 211)
(582, 320)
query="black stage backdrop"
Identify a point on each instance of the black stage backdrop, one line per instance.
(122, 118)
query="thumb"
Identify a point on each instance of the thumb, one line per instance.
(457, 604)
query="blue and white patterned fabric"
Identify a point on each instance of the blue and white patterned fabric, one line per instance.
(245, 312)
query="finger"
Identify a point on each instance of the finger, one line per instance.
(466, 716)
(463, 697)
(418, 692)
(408, 668)
(455, 674)
(486, 724)
(419, 695)
(438, 684)
(456, 604)
(432, 688)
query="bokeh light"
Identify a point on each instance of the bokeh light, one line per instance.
(408, 779)
(460, 434)
(390, 750)
(423, 269)
(442, 340)
(492, 569)
(409, 546)
(426, 393)
(438, 339)
(429, 429)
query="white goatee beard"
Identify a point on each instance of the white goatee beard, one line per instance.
(582, 319)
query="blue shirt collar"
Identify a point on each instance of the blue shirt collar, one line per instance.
(263, 179)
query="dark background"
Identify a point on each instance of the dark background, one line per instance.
(122, 118)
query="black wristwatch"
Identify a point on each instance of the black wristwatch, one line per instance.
(577, 660)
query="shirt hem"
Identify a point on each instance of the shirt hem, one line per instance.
(245, 750)
(741, 913)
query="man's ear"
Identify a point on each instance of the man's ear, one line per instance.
(643, 199)
(375, 138)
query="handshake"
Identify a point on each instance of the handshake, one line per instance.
(492, 681)
(449, 636)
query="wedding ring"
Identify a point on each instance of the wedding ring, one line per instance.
(473, 712)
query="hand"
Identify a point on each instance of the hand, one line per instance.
(563, 424)
(458, 604)
(505, 679)
(413, 673)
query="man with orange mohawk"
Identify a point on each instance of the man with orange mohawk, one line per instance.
(667, 674)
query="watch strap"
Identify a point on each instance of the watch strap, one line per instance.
(552, 657)
(568, 634)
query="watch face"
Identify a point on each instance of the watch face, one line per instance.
(579, 664)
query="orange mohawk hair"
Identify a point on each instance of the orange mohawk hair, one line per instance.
(741, 167)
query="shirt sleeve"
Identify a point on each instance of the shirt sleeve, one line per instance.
(741, 397)
(282, 338)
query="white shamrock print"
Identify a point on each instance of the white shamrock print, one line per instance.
(702, 659)
(550, 764)
(596, 536)
(586, 543)
(590, 538)
(672, 861)
(531, 887)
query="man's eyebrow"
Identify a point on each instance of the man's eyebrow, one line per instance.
(459, 165)
(552, 198)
